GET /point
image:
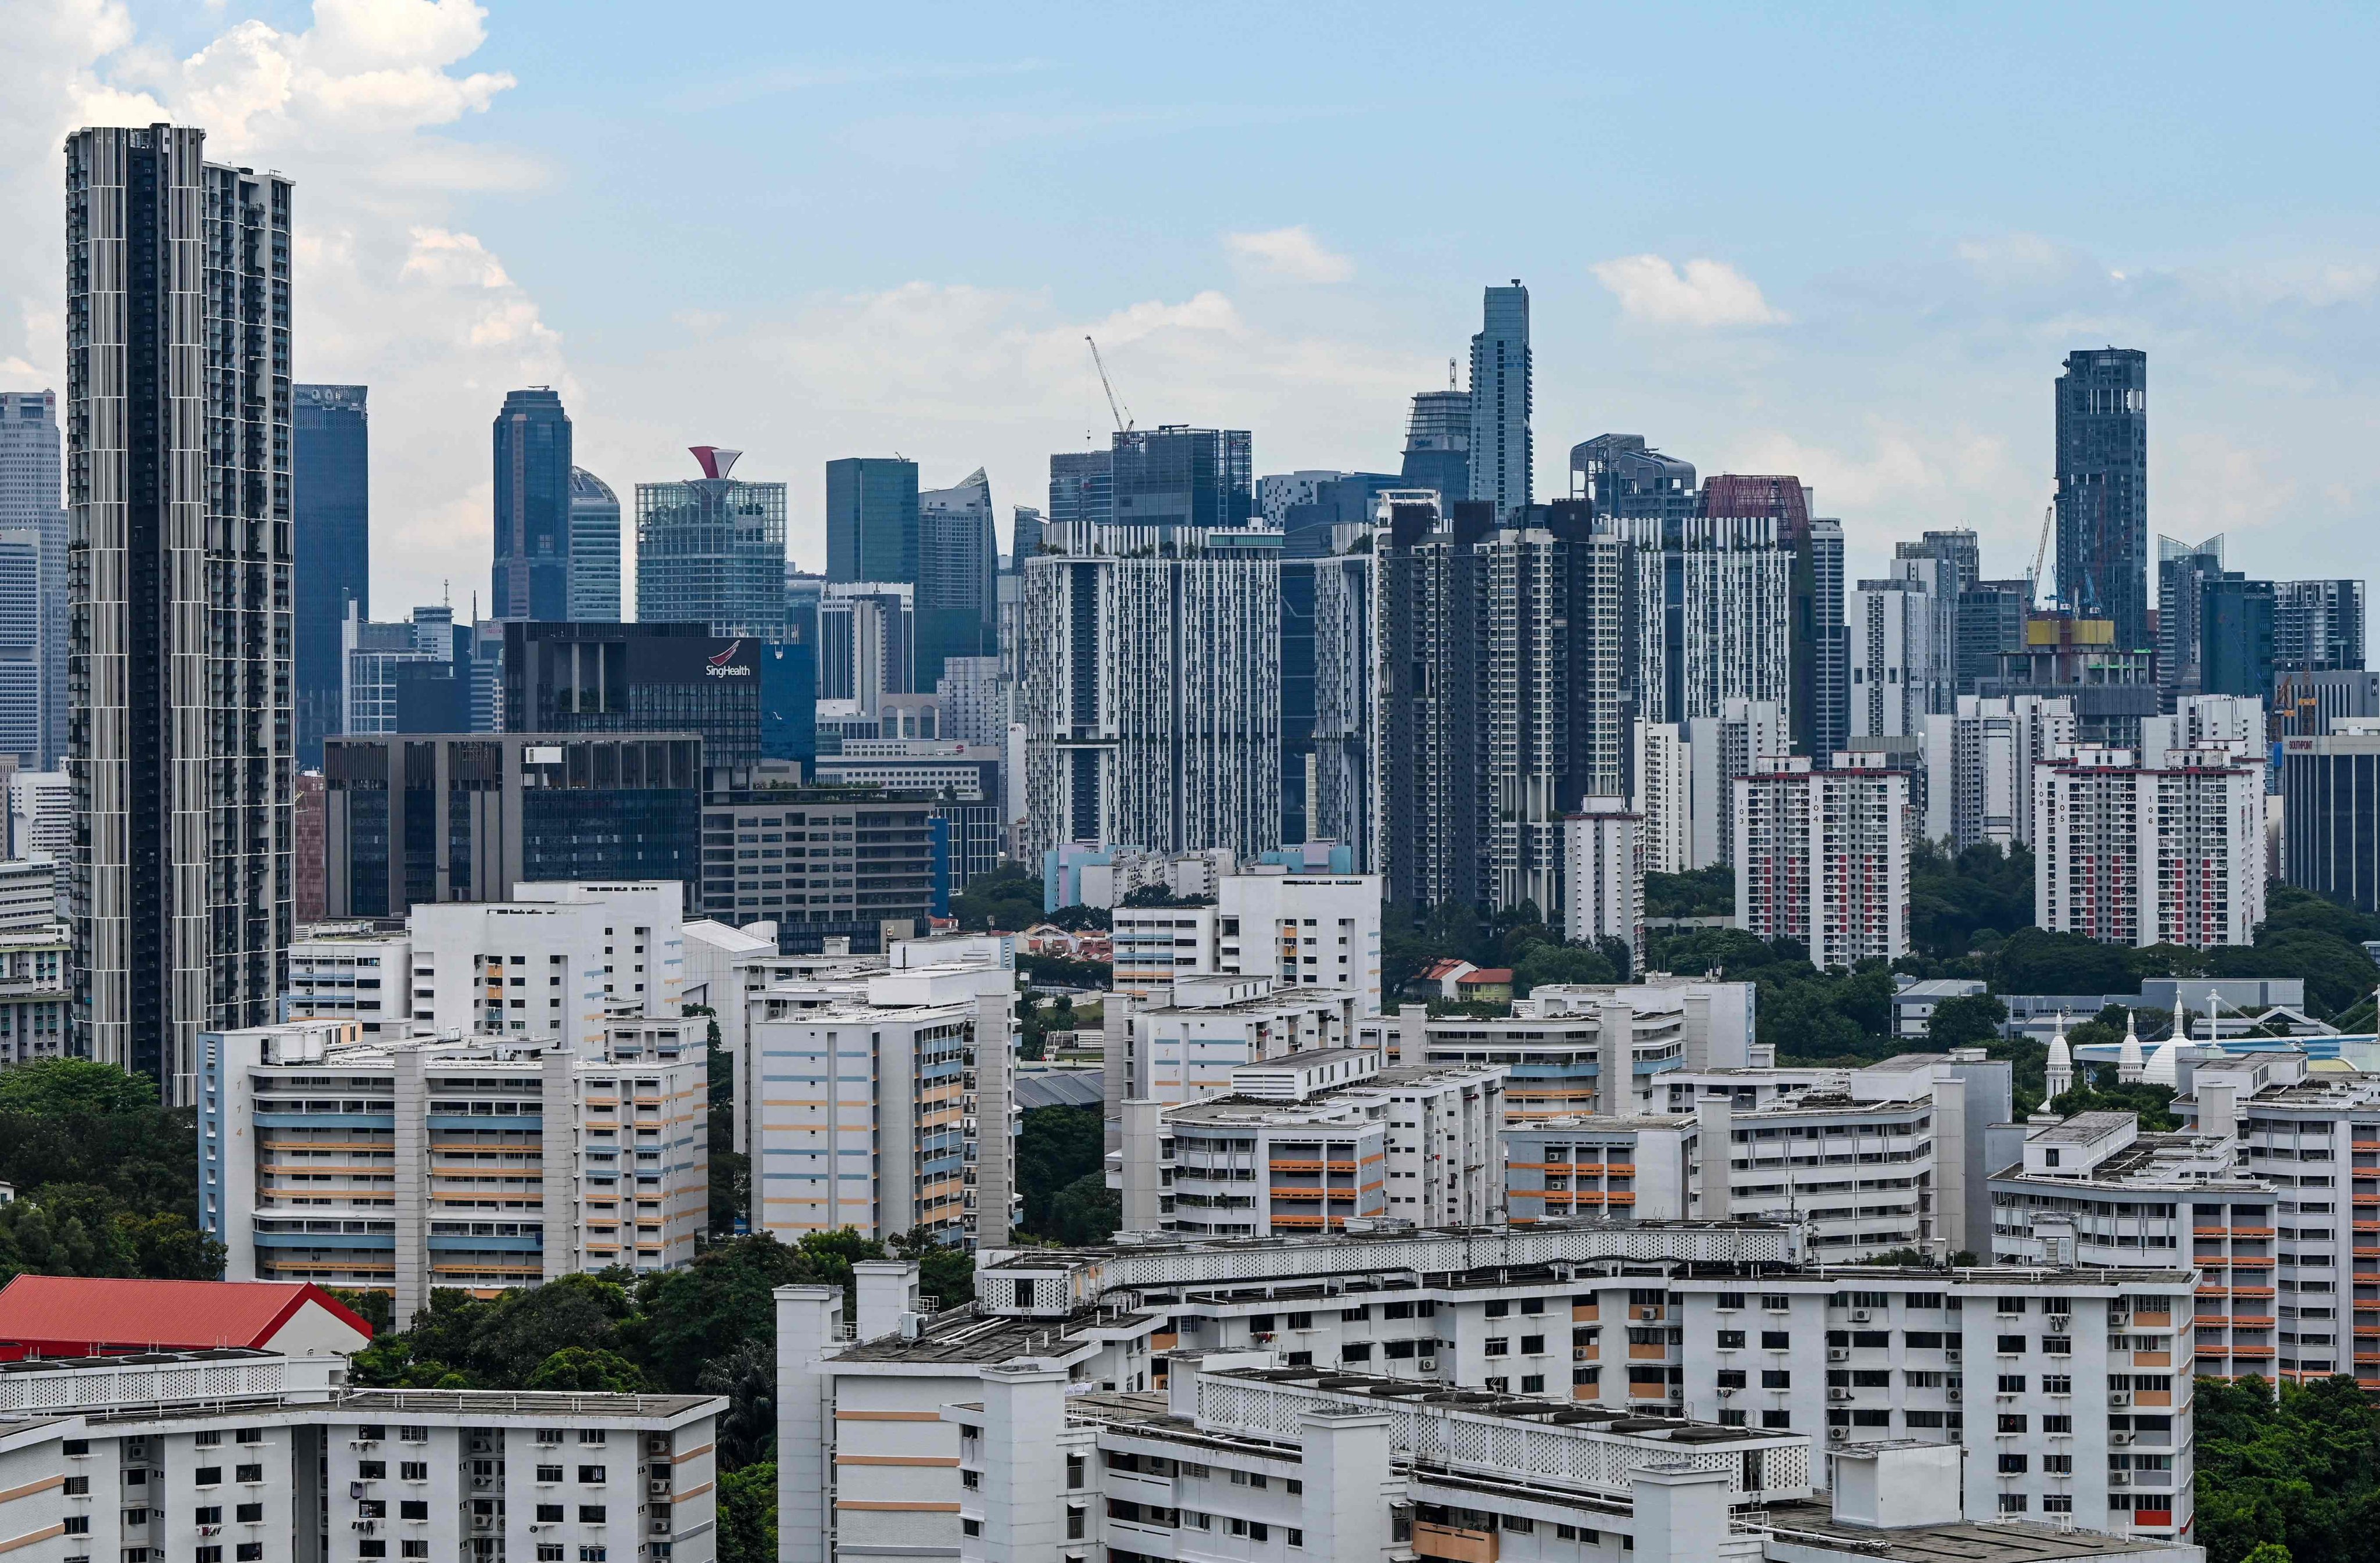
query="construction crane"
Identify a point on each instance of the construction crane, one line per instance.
(2041, 551)
(1123, 423)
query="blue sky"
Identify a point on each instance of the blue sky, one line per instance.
(1850, 242)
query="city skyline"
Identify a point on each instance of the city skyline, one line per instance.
(1896, 364)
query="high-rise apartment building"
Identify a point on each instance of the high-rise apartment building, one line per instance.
(1428, 778)
(2103, 487)
(1082, 489)
(1822, 856)
(2317, 626)
(1500, 449)
(1603, 874)
(1625, 478)
(867, 642)
(1981, 762)
(594, 550)
(2235, 636)
(177, 420)
(1899, 663)
(1151, 700)
(958, 564)
(2183, 570)
(1333, 776)
(2128, 854)
(532, 478)
(1711, 615)
(330, 461)
(1660, 772)
(32, 472)
(871, 519)
(711, 551)
(1742, 738)
(1438, 445)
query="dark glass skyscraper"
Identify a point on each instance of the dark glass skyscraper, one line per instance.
(871, 519)
(330, 451)
(2103, 488)
(1082, 488)
(2183, 570)
(2235, 636)
(1502, 449)
(532, 475)
(959, 566)
(1175, 476)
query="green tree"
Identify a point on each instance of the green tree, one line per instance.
(747, 1378)
(747, 1515)
(1542, 964)
(945, 1272)
(1971, 1020)
(1007, 899)
(2095, 1090)
(1057, 1146)
(1086, 1210)
(588, 1372)
(2290, 1466)
(692, 1316)
(1698, 892)
(61, 1087)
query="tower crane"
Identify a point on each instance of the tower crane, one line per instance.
(2041, 551)
(1123, 423)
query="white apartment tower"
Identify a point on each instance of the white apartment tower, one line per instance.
(2128, 854)
(557, 960)
(1822, 857)
(179, 662)
(1603, 874)
(1900, 658)
(1736, 739)
(1151, 700)
(1982, 773)
(1664, 797)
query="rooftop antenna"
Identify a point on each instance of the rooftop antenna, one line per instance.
(1122, 422)
(1450, 385)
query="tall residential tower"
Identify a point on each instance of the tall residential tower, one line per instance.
(177, 419)
(1501, 449)
(31, 474)
(2103, 489)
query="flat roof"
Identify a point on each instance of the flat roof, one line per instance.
(1956, 1541)
(1521, 1408)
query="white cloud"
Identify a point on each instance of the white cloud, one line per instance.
(1291, 254)
(389, 289)
(1706, 292)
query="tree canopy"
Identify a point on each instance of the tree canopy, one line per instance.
(2297, 1470)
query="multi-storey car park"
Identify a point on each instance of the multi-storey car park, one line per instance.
(2067, 1388)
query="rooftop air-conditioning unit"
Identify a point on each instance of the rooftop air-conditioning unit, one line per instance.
(1428, 1365)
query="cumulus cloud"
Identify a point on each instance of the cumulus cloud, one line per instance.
(1290, 254)
(1703, 292)
(389, 289)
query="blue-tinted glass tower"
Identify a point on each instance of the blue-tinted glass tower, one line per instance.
(532, 520)
(330, 452)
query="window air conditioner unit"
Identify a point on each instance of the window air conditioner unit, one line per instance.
(2120, 1438)
(1953, 1394)
(2119, 1478)
(2119, 1398)
(1861, 1316)
(1953, 1355)
(1838, 1435)
(1726, 1393)
(1428, 1365)
(1839, 1353)
(1839, 1393)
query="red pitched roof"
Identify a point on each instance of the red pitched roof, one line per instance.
(1486, 977)
(1440, 968)
(71, 1316)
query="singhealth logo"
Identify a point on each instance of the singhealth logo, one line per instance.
(719, 665)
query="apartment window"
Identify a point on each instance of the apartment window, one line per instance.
(253, 1513)
(413, 1470)
(1730, 1378)
(2012, 1421)
(1730, 1299)
(549, 1473)
(1776, 1419)
(2013, 1464)
(2053, 1424)
(2013, 1503)
(1296, 1536)
(2012, 1345)
(1776, 1302)
(207, 1514)
(1533, 1345)
(2059, 1464)
(249, 1435)
(591, 1474)
(367, 1470)
(1731, 1340)
(204, 1476)
(549, 1514)
(1776, 1340)
(1776, 1378)
(590, 1513)
(404, 1549)
(1498, 1346)
(1533, 1384)
(2011, 1383)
